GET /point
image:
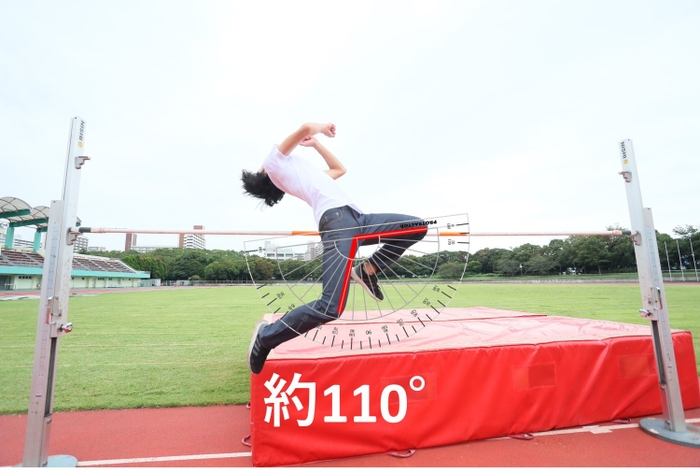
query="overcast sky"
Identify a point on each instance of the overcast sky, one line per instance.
(509, 111)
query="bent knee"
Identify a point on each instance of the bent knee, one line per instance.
(327, 312)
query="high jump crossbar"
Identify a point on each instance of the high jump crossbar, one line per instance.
(80, 230)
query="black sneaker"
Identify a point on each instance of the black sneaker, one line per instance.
(257, 354)
(368, 281)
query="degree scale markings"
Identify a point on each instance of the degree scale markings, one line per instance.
(304, 277)
(353, 346)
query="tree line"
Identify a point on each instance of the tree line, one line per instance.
(574, 255)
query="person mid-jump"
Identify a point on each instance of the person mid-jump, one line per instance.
(338, 220)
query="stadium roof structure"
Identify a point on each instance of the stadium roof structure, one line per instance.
(38, 216)
(22, 263)
(12, 207)
(21, 214)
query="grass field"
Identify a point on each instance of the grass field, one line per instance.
(188, 347)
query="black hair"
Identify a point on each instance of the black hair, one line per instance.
(259, 184)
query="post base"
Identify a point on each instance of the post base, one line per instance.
(62, 461)
(59, 461)
(658, 428)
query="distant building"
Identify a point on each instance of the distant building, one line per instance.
(20, 243)
(194, 241)
(149, 249)
(186, 241)
(313, 251)
(282, 253)
(80, 244)
(130, 241)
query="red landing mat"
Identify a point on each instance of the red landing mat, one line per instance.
(469, 376)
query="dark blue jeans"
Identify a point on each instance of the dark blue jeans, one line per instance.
(337, 227)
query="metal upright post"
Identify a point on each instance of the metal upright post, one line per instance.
(695, 263)
(680, 261)
(668, 262)
(672, 427)
(53, 308)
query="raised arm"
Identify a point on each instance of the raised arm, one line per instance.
(335, 167)
(307, 129)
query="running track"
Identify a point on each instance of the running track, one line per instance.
(213, 437)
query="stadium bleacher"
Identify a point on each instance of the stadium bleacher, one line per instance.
(34, 260)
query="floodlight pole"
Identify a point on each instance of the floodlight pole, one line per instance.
(672, 427)
(668, 262)
(52, 321)
(680, 261)
(695, 263)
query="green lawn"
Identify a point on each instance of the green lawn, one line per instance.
(188, 347)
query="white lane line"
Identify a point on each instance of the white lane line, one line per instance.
(124, 461)
(593, 429)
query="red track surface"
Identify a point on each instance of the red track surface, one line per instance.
(212, 437)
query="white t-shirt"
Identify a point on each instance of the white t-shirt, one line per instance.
(296, 176)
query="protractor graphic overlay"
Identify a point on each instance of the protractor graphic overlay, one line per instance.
(413, 293)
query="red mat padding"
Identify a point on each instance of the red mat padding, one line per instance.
(465, 378)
